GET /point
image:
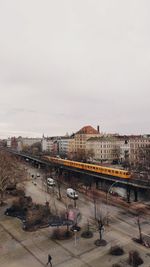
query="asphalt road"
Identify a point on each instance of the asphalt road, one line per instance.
(117, 216)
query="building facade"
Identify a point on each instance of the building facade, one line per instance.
(82, 136)
(63, 146)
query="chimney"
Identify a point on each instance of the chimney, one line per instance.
(98, 128)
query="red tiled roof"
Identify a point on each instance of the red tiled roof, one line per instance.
(87, 130)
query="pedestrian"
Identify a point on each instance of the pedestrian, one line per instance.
(49, 260)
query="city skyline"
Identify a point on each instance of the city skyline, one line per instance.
(67, 64)
(34, 136)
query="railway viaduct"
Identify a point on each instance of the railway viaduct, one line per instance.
(135, 184)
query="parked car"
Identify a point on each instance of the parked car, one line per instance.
(51, 182)
(37, 175)
(72, 193)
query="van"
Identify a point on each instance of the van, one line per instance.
(72, 193)
(50, 181)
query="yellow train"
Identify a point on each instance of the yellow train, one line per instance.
(90, 167)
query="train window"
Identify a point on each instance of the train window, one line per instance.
(116, 172)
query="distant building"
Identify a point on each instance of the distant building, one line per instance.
(117, 148)
(63, 145)
(83, 135)
(12, 142)
(29, 141)
(56, 145)
(9, 142)
(123, 148)
(21, 143)
(137, 142)
(103, 148)
(47, 144)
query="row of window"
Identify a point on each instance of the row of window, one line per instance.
(95, 168)
(90, 167)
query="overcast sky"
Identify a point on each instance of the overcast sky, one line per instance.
(65, 64)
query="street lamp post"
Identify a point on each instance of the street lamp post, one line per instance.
(107, 194)
(75, 204)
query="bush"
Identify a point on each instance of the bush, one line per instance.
(87, 234)
(134, 258)
(61, 234)
(116, 250)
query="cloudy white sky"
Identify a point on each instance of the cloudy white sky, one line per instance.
(69, 63)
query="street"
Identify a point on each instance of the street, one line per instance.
(20, 248)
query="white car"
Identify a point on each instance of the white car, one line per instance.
(37, 175)
(72, 193)
(51, 182)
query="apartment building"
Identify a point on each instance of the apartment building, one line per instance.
(50, 144)
(104, 148)
(137, 142)
(83, 135)
(117, 148)
(56, 145)
(63, 145)
(19, 143)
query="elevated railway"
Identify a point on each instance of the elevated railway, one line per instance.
(93, 172)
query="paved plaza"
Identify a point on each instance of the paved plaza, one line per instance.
(20, 248)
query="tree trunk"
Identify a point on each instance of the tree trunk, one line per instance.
(100, 234)
(1, 197)
(140, 231)
(59, 191)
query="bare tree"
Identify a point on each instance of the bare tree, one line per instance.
(89, 154)
(143, 158)
(58, 178)
(59, 184)
(101, 222)
(95, 204)
(36, 148)
(140, 231)
(10, 172)
(116, 152)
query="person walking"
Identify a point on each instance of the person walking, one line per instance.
(49, 260)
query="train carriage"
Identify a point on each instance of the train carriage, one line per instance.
(122, 174)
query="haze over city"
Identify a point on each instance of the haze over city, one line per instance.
(66, 64)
